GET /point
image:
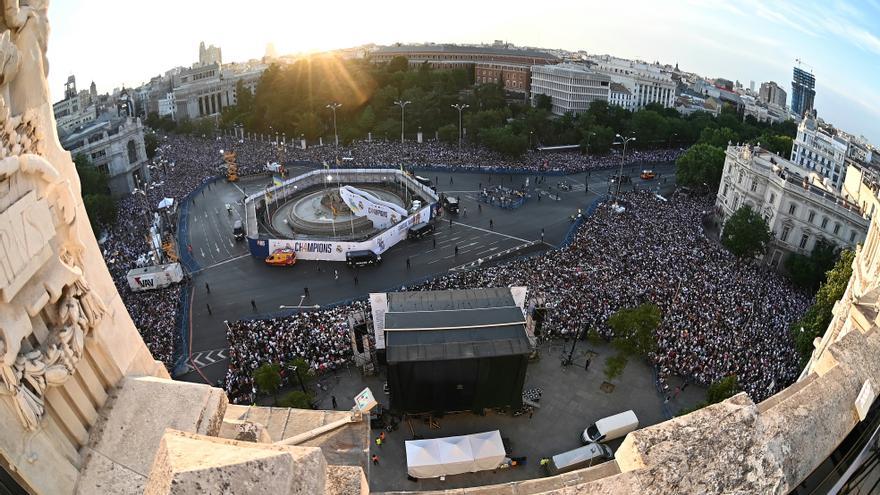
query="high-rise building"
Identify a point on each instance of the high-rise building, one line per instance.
(770, 92)
(803, 91)
(210, 55)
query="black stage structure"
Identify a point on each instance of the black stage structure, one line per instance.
(455, 350)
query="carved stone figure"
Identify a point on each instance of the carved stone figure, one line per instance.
(41, 277)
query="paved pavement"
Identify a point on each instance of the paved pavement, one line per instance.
(571, 401)
(235, 278)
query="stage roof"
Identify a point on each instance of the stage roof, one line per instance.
(453, 324)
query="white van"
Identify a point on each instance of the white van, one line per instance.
(581, 457)
(611, 427)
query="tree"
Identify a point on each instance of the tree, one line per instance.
(746, 233)
(303, 374)
(775, 143)
(809, 271)
(700, 164)
(504, 141)
(718, 391)
(719, 137)
(101, 210)
(615, 365)
(398, 64)
(634, 329)
(297, 400)
(267, 378)
(151, 143)
(816, 320)
(544, 102)
(448, 133)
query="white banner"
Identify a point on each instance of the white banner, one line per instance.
(364, 204)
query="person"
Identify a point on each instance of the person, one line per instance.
(434, 242)
(356, 280)
(306, 292)
(587, 365)
(335, 274)
(382, 435)
(464, 211)
(209, 309)
(207, 287)
(491, 224)
(456, 249)
(408, 263)
(333, 401)
(479, 207)
(375, 459)
(379, 441)
(254, 305)
(450, 221)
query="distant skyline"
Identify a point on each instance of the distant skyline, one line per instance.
(122, 42)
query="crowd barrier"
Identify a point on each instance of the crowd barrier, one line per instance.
(182, 350)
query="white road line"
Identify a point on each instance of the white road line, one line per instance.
(487, 251)
(230, 260)
(492, 232)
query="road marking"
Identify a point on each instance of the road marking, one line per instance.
(230, 260)
(216, 247)
(492, 232)
(207, 358)
(202, 251)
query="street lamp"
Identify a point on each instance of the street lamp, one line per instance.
(459, 107)
(333, 106)
(402, 104)
(624, 142)
(588, 141)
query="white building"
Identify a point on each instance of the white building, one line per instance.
(822, 150)
(798, 210)
(166, 106)
(116, 147)
(620, 96)
(204, 91)
(647, 83)
(571, 87)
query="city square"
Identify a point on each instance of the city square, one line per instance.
(585, 253)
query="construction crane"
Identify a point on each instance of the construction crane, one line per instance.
(231, 166)
(801, 62)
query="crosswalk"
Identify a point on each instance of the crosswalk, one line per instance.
(207, 358)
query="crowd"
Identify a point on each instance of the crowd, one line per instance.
(501, 196)
(319, 337)
(720, 316)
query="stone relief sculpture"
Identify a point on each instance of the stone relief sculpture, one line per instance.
(46, 306)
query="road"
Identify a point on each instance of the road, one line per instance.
(235, 278)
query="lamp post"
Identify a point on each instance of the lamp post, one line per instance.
(402, 104)
(460, 107)
(588, 141)
(333, 106)
(624, 142)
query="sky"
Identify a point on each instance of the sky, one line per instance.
(116, 42)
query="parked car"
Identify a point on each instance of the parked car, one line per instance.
(282, 257)
(648, 175)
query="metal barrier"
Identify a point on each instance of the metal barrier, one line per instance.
(186, 258)
(182, 349)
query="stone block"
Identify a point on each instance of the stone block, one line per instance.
(195, 464)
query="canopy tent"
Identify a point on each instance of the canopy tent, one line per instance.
(454, 455)
(488, 449)
(423, 459)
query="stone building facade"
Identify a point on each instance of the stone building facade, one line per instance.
(799, 211)
(86, 409)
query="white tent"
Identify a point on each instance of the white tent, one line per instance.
(488, 449)
(166, 203)
(456, 455)
(423, 459)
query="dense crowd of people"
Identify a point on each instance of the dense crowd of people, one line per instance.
(501, 196)
(652, 251)
(720, 317)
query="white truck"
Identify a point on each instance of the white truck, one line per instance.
(611, 427)
(154, 277)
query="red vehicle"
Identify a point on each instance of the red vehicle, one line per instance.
(282, 257)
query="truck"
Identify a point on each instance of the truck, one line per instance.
(154, 277)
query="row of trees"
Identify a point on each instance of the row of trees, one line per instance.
(293, 100)
(268, 379)
(96, 194)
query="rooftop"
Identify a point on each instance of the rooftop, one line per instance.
(449, 48)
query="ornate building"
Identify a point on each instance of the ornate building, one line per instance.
(86, 409)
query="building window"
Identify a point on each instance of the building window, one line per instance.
(812, 216)
(836, 228)
(740, 180)
(132, 152)
(785, 232)
(824, 222)
(852, 236)
(772, 198)
(754, 185)
(804, 239)
(792, 208)
(724, 193)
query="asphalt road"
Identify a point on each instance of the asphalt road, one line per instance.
(235, 278)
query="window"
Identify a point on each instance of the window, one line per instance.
(132, 152)
(754, 185)
(772, 198)
(804, 239)
(785, 232)
(812, 216)
(724, 192)
(836, 228)
(852, 236)
(740, 180)
(824, 222)
(792, 208)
